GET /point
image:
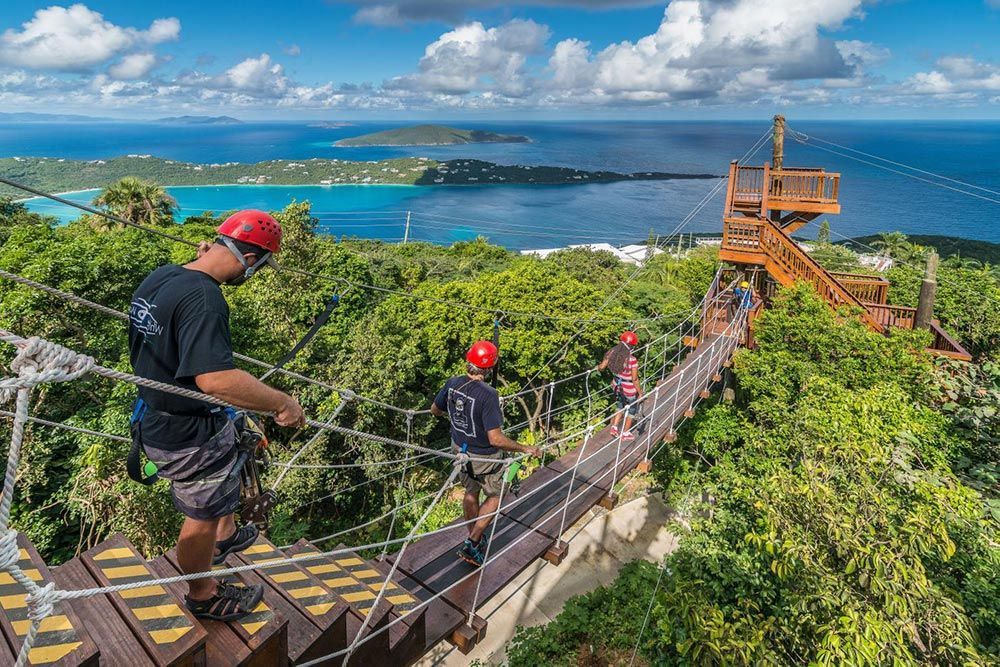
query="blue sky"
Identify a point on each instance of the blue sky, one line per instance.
(485, 58)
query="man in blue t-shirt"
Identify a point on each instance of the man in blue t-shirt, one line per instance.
(473, 408)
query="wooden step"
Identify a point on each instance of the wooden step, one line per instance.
(358, 582)
(62, 638)
(360, 599)
(119, 646)
(256, 640)
(157, 617)
(307, 595)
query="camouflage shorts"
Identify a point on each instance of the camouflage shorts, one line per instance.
(204, 480)
(485, 477)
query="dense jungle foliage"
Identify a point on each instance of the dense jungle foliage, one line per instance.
(853, 514)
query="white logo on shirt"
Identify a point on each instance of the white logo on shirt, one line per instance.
(141, 317)
(460, 410)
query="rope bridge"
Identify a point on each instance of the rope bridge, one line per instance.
(554, 495)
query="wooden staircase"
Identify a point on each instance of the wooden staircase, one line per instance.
(763, 206)
(309, 610)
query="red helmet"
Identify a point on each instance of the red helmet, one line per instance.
(253, 226)
(629, 338)
(483, 354)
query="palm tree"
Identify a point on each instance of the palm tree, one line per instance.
(138, 201)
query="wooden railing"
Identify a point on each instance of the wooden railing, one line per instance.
(868, 289)
(902, 317)
(784, 188)
(803, 185)
(946, 345)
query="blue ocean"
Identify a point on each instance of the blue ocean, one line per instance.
(873, 199)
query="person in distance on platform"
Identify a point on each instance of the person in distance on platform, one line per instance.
(179, 335)
(625, 383)
(742, 297)
(473, 410)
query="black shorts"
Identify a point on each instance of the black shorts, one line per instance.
(205, 478)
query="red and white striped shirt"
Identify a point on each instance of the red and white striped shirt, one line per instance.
(624, 379)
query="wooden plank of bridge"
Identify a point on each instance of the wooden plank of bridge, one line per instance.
(222, 646)
(432, 561)
(164, 626)
(307, 594)
(62, 638)
(119, 646)
(262, 633)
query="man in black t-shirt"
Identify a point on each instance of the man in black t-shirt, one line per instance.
(179, 335)
(473, 408)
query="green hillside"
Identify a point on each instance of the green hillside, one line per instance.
(431, 135)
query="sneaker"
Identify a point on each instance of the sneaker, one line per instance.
(628, 435)
(471, 554)
(614, 431)
(244, 536)
(230, 603)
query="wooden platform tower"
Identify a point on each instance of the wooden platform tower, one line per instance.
(766, 204)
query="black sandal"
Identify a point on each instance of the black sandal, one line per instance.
(244, 536)
(230, 603)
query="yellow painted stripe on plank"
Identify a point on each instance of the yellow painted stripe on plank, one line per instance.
(169, 635)
(389, 586)
(340, 582)
(399, 599)
(18, 601)
(349, 561)
(6, 579)
(359, 596)
(125, 571)
(307, 592)
(45, 655)
(22, 554)
(116, 552)
(49, 624)
(323, 569)
(143, 592)
(258, 549)
(367, 574)
(159, 611)
(319, 609)
(252, 628)
(284, 577)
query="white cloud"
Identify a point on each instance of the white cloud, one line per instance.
(293, 50)
(133, 66)
(256, 74)
(955, 77)
(76, 38)
(472, 57)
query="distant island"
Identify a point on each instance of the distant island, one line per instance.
(31, 117)
(199, 120)
(61, 175)
(332, 124)
(430, 135)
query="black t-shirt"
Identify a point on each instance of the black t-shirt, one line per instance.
(474, 409)
(178, 328)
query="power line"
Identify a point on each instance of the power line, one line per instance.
(804, 140)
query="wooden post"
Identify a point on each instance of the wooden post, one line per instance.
(928, 288)
(778, 142)
(777, 158)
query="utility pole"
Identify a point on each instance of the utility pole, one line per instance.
(778, 142)
(928, 288)
(406, 232)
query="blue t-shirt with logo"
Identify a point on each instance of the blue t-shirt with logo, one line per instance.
(473, 409)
